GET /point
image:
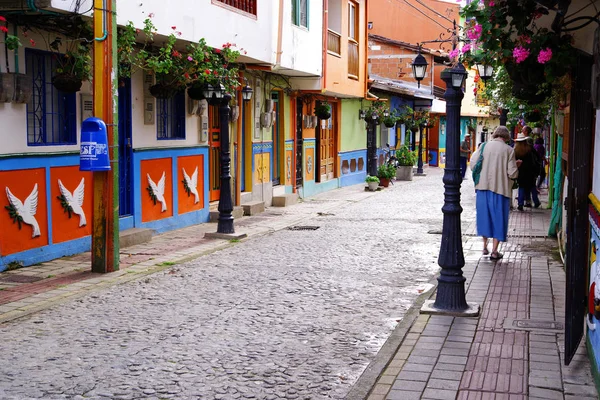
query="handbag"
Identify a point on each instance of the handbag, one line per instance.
(478, 166)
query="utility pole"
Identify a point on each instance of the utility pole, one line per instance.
(105, 213)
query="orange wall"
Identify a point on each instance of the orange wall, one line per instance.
(155, 169)
(397, 20)
(187, 202)
(337, 80)
(394, 62)
(63, 227)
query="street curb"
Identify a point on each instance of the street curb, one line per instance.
(363, 386)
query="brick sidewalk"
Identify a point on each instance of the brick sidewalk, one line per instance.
(494, 356)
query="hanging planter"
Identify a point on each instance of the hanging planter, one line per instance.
(67, 83)
(195, 91)
(7, 87)
(164, 90)
(414, 129)
(533, 116)
(323, 110)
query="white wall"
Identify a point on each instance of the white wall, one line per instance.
(302, 48)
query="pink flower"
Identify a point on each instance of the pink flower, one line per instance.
(151, 15)
(32, 42)
(491, 4)
(173, 27)
(2, 18)
(4, 29)
(453, 53)
(465, 48)
(545, 55)
(520, 54)
(474, 32)
(190, 58)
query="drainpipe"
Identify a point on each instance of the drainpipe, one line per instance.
(366, 55)
(16, 51)
(325, 28)
(238, 145)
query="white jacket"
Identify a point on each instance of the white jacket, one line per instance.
(499, 167)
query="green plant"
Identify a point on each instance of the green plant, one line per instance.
(73, 53)
(322, 108)
(370, 178)
(391, 119)
(12, 42)
(386, 171)
(375, 111)
(405, 156)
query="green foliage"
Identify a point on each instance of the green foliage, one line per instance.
(405, 156)
(322, 108)
(11, 42)
(375, 111)
(73, 53)
(173, 64)
(372, 179)
(14, 214)
(386, 171)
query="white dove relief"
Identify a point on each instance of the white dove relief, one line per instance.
(192, 184)
(26, 210)
(159, 190)
(75, 200)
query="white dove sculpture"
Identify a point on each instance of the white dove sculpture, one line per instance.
(75, 200)
(192, 183)
(159, 190)
(26, 210)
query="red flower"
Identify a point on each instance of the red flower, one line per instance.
(137, 30)
(176, 53)
(151, 15)
(207, 71)
(178, 33)
(215, 73)
(32, 42)
(173, 27)
(2, 18)
(4, 29)
(186, 75)
(218, 51)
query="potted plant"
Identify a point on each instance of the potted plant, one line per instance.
(73, 58)
(406, 160)
(13, 86)
(390, 119)
(372, 182)
(385, 173)
(323, 110)
(375, 112)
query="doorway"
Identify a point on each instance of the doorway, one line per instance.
(214, 168)
(275, 131)
(326, 147)
(299, 119)
(125, 148)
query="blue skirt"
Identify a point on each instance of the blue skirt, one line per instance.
(492, 215)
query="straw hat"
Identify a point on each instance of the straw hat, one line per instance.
(521, 137)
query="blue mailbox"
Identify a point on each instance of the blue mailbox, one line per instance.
(94, 146)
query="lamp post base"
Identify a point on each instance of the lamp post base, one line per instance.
(429, 308)
(226, 236)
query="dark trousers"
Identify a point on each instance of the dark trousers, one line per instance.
(463, 166)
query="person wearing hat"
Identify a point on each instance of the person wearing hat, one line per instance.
(465, 151)
(528, 172)
(494, 168)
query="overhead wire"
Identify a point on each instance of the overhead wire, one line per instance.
(428, 17)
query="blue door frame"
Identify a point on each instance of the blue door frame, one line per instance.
(125, 149)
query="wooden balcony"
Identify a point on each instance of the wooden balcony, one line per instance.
(353, 60)
(248, 6)
(334, 42)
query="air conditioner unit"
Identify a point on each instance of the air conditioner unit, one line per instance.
(20, 5)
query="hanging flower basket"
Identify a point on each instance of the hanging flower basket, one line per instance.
(323, 110)
(414, 129)
(533, 116)
(67, 83)
(163, 90)
(529, 93)
(195, 91)
(389, 124)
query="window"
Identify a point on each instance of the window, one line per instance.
(248, 6)
(353, 31)
(170, 116)
(51, 115)
(300, 13)
(352, 21)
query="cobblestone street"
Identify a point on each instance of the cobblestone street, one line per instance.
(290, 314)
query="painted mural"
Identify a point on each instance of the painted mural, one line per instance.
(593, 319)
(71, 193)
(157, 194)
(191, 183)
(24, 213)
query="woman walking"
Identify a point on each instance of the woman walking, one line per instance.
(493, 186)
(528, 172)
(541, 152)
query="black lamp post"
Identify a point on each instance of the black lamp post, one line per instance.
(420, 153)
(217, 95)
(372, 145)
(450, 298)
(419, 67)
(485, 71)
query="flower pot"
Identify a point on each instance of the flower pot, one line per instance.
(195, 92)
(373, 186)
(23, 88)
(323, 115)
(528, 93)
(389, 124)
(163, 90)
(414, 129)
(533, 116)
(385, 182)
(67, 83)
(7, 87)
(404, 173)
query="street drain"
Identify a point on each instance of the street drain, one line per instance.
(303, 228)
(532, 325)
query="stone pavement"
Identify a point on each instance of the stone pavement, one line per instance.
(494, 356)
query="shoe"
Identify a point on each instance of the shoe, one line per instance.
(520, 208)
(528, 205)
(486, 252)
(537, 205)
(496, 256)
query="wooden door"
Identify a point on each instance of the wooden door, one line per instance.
(327, 148)
(214, 167)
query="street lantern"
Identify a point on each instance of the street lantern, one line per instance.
(419, 67)
(246, 93)
(219, 91)
(457, 75)
(208, 91)
(485, 71)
